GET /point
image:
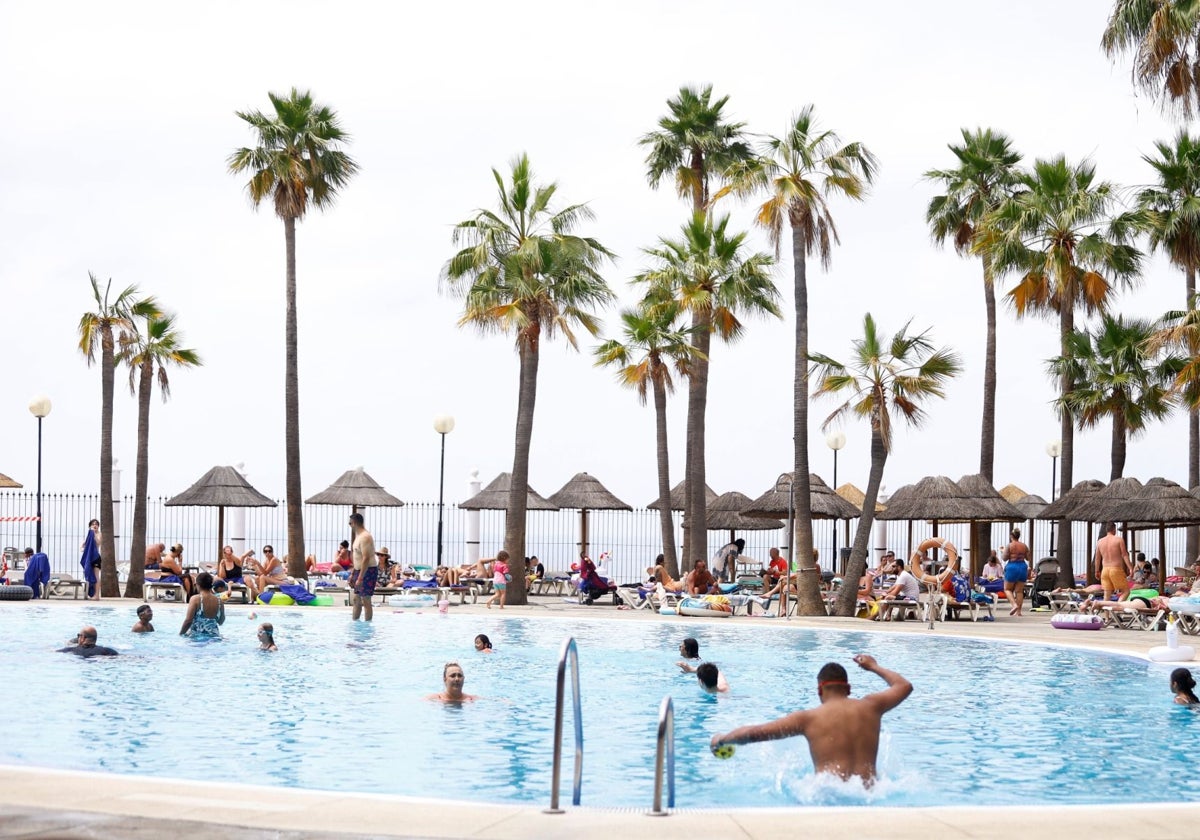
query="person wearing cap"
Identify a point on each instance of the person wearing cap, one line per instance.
(37, 572)
(366, 570)
(85, 645)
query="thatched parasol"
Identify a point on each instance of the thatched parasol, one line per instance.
(584, 493)
(1011, 493)
(1066, 505)
(357, 489)
(1030, 506)
(725, 514)
(934, 497)
(991, 506)
(7, 483)
(220, 487)
(857, 497)
(825, 503)
(495, 497)
(1157, 504)
(679, 497)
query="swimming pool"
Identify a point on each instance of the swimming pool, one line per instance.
(341, 707)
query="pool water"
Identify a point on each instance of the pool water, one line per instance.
(342, 707)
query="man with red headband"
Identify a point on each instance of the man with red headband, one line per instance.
(843, 732)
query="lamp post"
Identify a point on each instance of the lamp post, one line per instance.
(39, 407)
(788, 480)
(443, 424)
(835, 441)
(1053, 449)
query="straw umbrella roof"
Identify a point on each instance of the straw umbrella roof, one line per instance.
(857, 497)
(678, 497)
(1158, 501)
(1109, 503)
(220, 487)
(934, 497)
(1030, 505)
(992, 506)
(1066, 505)
(495, 497)
(584, 492)
(1012, 494)
(825, 503)
(725, 514)
(357, 489)
(7, 483)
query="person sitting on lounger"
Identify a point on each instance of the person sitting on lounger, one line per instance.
(446, 576)
(343, 562)
(700, 581)
(660, 574)
(230, 566)
(170, 570)
(270, 572)
(534, 570)
(453, 677)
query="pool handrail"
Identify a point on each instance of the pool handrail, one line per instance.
(569, 649)
(665, 748)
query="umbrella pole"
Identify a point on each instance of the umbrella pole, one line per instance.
(583, 530)
(1091, 569)
(220, 531)
(1162, 556)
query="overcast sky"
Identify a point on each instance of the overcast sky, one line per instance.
(121, 116)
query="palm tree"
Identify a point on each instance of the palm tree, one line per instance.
(104, 327)
(1116, 378)
(1173, 206)
(298, 161)
(696, 145)
(800, 172)
(986, 174)
(652, 344)
(883, 378)
(1163, 37)
(707, 275)
(148, 356)
(1062, 233)
(523, 272)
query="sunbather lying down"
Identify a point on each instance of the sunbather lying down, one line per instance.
(660, 575)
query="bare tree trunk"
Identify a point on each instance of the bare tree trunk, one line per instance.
(808, 587)
(1066, 466)
(857, 566)
(981, 537)
(518, 493)
(1118, 448)
(110, 586)
(696, 512)
(291, 412)
(137, 543)
(667, 523)
(1193, 532)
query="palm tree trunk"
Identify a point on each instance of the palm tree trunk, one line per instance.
(137, 543)
(695, 529)
(808, 588)
(667, 523)
(857, 565)
(291, 413)
(1066, 466)
(1192, 545)
(1118, 447)
(110, 587)
(518, 492)
(981, 536)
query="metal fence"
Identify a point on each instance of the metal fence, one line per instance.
(632, 539)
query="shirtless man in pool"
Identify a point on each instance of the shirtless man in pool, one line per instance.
(842, 733)
(1112, 563)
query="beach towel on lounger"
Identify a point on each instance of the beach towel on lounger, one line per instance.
(297, 593)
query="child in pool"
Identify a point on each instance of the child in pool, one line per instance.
(483, 644)
(1183, 683)
(266, 636)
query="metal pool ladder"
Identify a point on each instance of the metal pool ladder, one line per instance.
(665, 750)
(569, 649)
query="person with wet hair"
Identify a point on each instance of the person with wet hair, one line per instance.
(709, 676)
(144, 615)
(483, 644)
(689, 648)
(453, 677)
(1184, 685)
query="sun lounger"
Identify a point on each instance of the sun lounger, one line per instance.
(634, 597)
(1129, 617)
(61, 584)
(159, 590)
(898, 609)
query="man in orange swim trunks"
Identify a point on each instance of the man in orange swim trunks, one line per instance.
(1112, 563)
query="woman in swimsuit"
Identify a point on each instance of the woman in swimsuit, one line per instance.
(206, 612)
(1183, 683)
(1016, 571)
(270, 573)
(229, 567)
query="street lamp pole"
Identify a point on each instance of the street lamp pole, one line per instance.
(835, 441)
(1053, 449)
(39, 407)
(443, 425)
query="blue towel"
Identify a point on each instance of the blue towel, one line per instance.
(297, 593)
(37, 573)
(419, 584)
(91, 553)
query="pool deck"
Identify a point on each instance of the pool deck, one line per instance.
(42, 803)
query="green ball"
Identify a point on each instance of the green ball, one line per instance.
(723, 751)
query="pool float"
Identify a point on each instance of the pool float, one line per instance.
(404, 600)
(320, 601)
(16, 592)
(1189, 604)
(276, 599)
(1172, 651)
(1077, 622)
(711, 606)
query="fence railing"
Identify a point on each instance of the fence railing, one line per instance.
(632, 539)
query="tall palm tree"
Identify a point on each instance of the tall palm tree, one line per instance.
(297, 161)
(800, 172)
(652, 344)
(1066, 238)
(1173, 206)
(1163, 36)
(1116, 378)
(986, 174)
(882, 378)
(708, 275)
(523, 272)
(149, 354)
(696, 145)
(104, 328)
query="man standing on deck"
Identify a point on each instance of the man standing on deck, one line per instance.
(1112, 563)
(842, 733)
(365, 573)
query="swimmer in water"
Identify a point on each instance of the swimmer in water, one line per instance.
(453, 677)
(1183, 684)
(842, 732)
